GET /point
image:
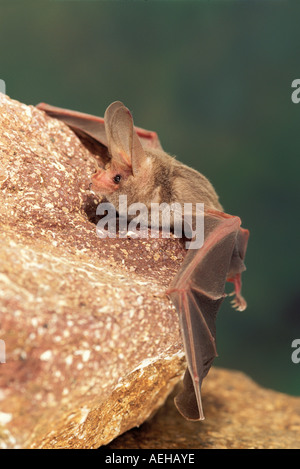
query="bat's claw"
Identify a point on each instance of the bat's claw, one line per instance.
(238, 302)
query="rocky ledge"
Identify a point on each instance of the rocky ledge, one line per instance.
(239, 415)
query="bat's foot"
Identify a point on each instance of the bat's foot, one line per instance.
(239, 303)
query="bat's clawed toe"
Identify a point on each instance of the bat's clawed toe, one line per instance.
(238, 303)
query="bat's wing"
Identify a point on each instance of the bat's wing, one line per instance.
(94, 126)
(91, 126)
(197, 292)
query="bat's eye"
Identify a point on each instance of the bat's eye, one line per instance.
(117, 178)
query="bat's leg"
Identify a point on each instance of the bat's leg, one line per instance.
(236, 268)
(197, 292)
(238, 301)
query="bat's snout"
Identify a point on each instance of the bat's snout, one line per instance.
(102, 182)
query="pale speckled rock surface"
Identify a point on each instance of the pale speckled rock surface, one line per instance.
(239, 415)
(92, 345)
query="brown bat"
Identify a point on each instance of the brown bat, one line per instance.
(140, 169)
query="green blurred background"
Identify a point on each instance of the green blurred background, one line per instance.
(214, 80)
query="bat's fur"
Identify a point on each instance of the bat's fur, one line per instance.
(147, 174)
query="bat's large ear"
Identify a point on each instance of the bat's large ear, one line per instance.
(123, 142)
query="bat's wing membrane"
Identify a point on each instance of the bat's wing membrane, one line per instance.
(197, 292)
(93, 126)
(87, 124)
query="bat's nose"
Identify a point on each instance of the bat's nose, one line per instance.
(103, 182)
(97, 175)
(97, 179)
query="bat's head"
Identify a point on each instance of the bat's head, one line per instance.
(110, 180)
(132, 169)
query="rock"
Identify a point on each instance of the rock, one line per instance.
(239, 415)
(93, 346)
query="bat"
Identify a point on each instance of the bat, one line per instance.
(140, 169)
